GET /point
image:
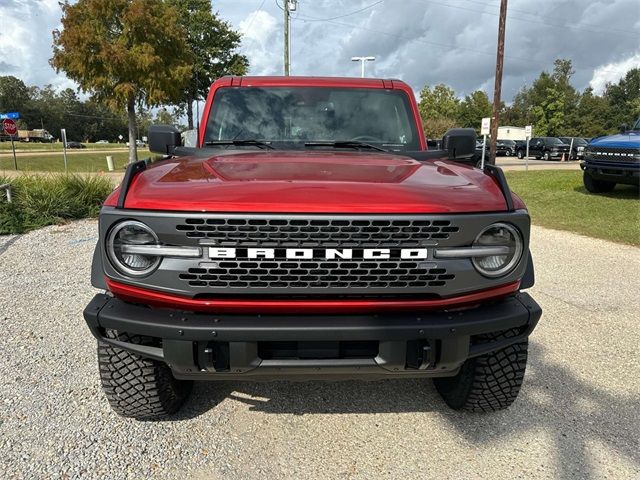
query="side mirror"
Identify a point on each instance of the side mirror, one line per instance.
(460, 143)
(164, 139)
(623, 128)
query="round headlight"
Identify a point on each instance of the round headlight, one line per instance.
(121, 248)
(498, 235)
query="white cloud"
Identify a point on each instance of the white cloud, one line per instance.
(419, 41)
(612, 72)
(26, 41)
(260, 43)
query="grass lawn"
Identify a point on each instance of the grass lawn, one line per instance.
(77, 162)
(5, 147)
(557, 199)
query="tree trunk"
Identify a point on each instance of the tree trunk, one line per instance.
(190, 113)
(131, 115)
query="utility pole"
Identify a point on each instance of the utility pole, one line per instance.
(287, 18)
(362, 61)
(498, 85)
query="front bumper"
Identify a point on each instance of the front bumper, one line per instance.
(207, 346)
(617, 173)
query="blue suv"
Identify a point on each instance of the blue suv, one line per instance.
(612, 159)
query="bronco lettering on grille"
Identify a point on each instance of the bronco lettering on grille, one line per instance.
(327, 254)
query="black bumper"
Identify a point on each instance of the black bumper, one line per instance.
(204, 346)
(616, 173)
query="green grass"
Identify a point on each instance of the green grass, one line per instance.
(5, 147)
(557, 199)
(46, 200)
(77, 162)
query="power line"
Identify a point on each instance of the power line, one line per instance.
(557, 25)
(575, 25)
(255, 14)
(442, 45)
(315, 19)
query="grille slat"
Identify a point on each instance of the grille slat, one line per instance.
(270, 275)
(318, 233)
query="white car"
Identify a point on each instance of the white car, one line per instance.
(102, 141)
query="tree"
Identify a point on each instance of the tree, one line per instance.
(473, 109)
(624, 99)
(124, 52)
(438, 109)
(592, 114)
(213, 44)
(14, 94)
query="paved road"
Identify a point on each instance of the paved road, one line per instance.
(577, 415)
(70, 151)
(513, 163)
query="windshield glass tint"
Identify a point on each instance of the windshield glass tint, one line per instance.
(313, 114)
(554, 141)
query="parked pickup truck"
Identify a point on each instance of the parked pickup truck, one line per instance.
(548, 148)
(310, 234)
(611, 160)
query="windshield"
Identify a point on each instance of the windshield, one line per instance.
(637, 124)
(554, 141)
(289, 117)
(509, 143)
(576, 140)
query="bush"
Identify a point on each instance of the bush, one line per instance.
(48, 200)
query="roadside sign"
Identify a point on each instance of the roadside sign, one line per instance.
(528, 130)
(9, 127)
(120, 137)
(63, 137)
(486, 126)
(10, 115)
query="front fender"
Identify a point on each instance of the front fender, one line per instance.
(97, 272)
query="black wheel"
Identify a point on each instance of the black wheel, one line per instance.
(547, 156)
(489, 382)
(596, 186)
(138, 387)
(520, 154)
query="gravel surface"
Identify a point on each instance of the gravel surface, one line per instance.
(577, 415)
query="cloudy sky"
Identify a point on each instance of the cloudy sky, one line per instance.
(419, 41)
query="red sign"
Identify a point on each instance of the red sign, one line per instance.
(9, 126)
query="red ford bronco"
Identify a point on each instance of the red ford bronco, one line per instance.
(310, 234)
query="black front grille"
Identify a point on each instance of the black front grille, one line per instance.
(613, 154)
(274, 275)
(317, 232)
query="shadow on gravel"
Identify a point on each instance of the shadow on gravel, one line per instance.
(576, 415)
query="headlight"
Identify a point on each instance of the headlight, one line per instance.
(121, 248)
(498, 235)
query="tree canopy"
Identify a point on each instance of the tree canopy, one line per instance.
(124, 52)
(213, 44)
(551, 104)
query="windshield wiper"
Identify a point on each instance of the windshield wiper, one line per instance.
(249, 142)
(345, 144)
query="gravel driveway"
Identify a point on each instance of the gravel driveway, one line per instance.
(577, 415)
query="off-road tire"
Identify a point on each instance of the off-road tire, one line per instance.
(490, 382)
(137, 387)
(596, 186)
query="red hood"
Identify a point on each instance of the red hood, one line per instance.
(319, 182)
